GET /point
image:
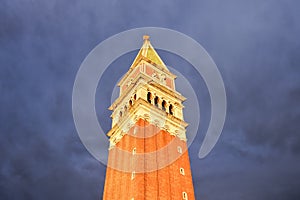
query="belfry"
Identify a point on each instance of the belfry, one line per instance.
(148, 157)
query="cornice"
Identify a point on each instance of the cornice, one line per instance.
(151, 114)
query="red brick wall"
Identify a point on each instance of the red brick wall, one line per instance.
(162, 182)
(169, 83)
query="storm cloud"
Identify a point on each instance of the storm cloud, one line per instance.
(255, 45)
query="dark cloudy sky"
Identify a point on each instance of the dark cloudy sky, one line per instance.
(254, 43)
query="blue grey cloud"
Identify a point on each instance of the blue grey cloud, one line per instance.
(255, 44)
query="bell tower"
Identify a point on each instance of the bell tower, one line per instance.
(148, 157)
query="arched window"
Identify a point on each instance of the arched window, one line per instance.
(135, 130)
(132, 175)
(179, 149)
(121, 113)
(130, 103)
(149, 97)
(156, 101)
(171, 109)
(134, 96)
(163, 105)
(125, 108)
(134, 151)
(184, 196)
(182, 171)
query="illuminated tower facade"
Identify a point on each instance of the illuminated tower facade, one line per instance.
(148, 157)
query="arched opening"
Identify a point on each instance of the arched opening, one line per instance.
(149, 95)
(163, 105)
(171, 109)
(156, 101)
(182, 171)
(184, 196)
(121, 113)
(130, 103)
(134, 96)
(179, 149)
(135, 130)
(132, 175)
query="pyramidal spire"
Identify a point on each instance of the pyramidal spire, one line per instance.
(148, 53)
